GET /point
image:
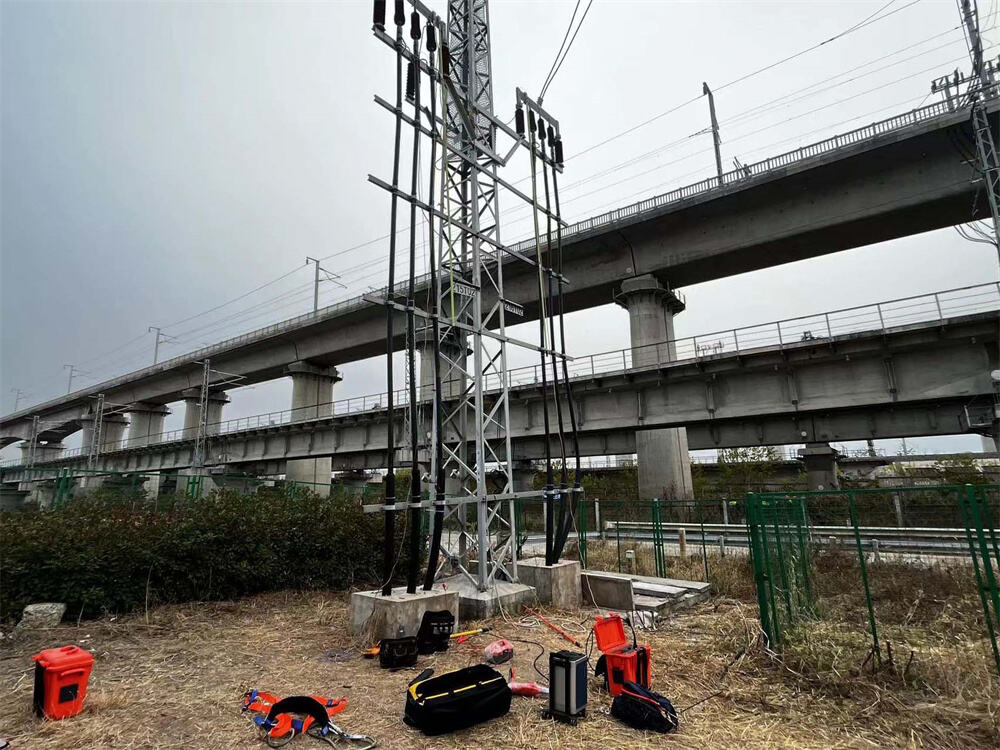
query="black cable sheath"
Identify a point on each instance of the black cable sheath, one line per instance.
(560, 500)
(555, 146)
(439, 494)
(390, 478)
(413, 569)
(547, 492)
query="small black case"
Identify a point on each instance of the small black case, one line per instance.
(397, 653)
(435, 631)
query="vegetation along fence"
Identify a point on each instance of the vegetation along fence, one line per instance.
(884, 573)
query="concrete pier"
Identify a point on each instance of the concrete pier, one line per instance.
(451, 381)
(192, 411)
(46, 451)
(312, 397)
(112, 431)
(523, 474)
(664, 464)
(820, 460)
(146, 424)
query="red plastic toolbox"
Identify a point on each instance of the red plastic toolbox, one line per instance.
(61, 676)
(623, 661)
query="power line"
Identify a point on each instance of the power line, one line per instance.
(835, 37)
(552, 75)
(690, 101)
(562, 44)
(235, 299)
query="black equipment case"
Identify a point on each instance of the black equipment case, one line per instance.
(435, 631)
(397, 653)
(456, 700)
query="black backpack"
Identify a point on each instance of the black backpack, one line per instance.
(643, 709)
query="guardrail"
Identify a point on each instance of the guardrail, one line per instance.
(750, 171)
(943, 540)
(791, 332)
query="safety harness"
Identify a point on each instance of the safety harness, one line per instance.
(280, 720)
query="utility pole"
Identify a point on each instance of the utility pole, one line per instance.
(316, 279)
(160, 336)
(72, 371)
(716, 139)
(315, 283)
(18, 393)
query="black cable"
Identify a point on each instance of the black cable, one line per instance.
(541, 653)
(560, 500)
(439, 495)
(555, 146)
(388, 564)
(562, 44)
(547, 492)
(555, 72)
(411, 334)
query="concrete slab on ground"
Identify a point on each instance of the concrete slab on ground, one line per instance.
(481, 605)
(607, 590)
(625, 593)
(399, 613)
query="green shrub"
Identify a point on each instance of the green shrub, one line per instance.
(103, 555)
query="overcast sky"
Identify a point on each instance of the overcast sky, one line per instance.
(160, 159)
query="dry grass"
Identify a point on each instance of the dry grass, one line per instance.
(175, 679)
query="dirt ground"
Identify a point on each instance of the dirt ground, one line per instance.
(174, 678)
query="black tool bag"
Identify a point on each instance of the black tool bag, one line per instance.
(396, 653)
(435, 631)
(643, 709)
(456, 700)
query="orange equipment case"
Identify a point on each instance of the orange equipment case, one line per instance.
(61, 676)
(623, 662)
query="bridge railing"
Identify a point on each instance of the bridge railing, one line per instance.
(829, 145)
(791, 332)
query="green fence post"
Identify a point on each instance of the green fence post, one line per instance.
(984, 550)
(964, 501)
(787, 595)
(864, 577)
(760, 574)
(582, 534)
(800, 522)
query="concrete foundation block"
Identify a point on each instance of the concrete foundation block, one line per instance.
(481, 605)
(399, 614)
(556, 585)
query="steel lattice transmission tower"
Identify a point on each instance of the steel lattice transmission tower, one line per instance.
(471, 297)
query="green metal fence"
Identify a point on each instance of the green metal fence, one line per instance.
(665, 538)
(885, 571)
